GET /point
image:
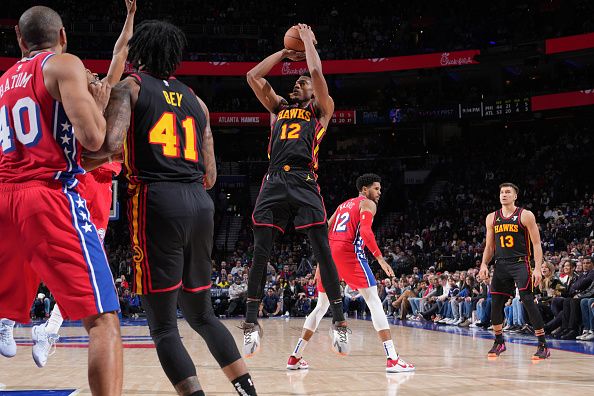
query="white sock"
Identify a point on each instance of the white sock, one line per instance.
(52, 326)
(390, 350)
(301, 344)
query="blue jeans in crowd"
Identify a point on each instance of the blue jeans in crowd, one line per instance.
(587, 313)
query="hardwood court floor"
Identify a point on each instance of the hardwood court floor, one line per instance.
(447, 363)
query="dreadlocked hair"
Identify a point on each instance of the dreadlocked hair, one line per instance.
(157, 47)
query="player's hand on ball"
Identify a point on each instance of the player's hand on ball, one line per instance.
(385, 266)
(294, 55)
(130, 6)
(306, 33)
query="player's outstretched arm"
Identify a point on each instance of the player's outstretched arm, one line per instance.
(529, 221)
(314, 65)
(120, 50)
(331, 220)
(208, 155)
(261, 87)
(489, 247)
(66, 80)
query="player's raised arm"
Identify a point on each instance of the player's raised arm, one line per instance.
(367, 209)
(120, 50)
(66, 80)
(529, 221)
(261, 87)
(314, 65)
(208, 155)
(489, 247)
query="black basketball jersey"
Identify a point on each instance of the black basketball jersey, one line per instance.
(295, 138)
(164, 142)
(512, 239)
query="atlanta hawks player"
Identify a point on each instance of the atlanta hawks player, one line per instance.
(350, 232)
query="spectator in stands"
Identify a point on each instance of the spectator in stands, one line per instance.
(291, 294)
(124, 283)
(271, 304)
(41, 307)
(571, 313)
(353, 301)
(238, 267)
(226, 282)
(237, 293)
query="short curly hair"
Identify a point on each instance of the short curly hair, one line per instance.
(366, 180)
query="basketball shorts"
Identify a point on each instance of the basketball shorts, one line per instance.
(95, 188)
(511, 273)
(352, 266)
(289, 195)
(47, 236)
(171, 230)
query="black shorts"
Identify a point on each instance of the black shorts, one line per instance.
(289, 195)
(512, 273)
(171, 229)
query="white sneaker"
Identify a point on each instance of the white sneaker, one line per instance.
(44, 344)
(7, 343)
(398, 366)
(589, 337)
(457, 322)
(340, 339)
(449, 321)
(251, 338)
(584, 333)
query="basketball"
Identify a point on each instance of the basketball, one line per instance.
(293, 41)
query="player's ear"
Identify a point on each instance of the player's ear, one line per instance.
(63, 39)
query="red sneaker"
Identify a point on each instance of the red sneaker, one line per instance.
(297, 364)
(398, 365)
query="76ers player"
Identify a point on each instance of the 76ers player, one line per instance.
(350, 232)
(47, 116)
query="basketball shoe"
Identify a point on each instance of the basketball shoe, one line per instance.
(44, 344)
(297, 363)
(252, 333)
(398, 365)
(7, 343)
(497, 349)
(542, 352)
(340, 339)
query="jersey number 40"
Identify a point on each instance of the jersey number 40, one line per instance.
(27, 127)
(165, 133)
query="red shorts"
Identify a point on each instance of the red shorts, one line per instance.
(47, 235)
(352, 266)
(95, 188)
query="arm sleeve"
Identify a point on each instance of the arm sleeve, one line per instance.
(367, 233)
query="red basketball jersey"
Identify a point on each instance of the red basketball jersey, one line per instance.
(346, 222)
(36, 138)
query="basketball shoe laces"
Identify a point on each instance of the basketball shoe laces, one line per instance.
(342, 333)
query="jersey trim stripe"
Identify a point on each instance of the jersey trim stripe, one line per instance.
(138, 254)
(197, 289)
(45, 60)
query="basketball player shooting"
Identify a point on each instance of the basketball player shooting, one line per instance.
(290, 190)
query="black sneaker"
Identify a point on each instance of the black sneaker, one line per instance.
(542, 352)
(497, 349)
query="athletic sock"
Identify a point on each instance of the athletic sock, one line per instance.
(301, 344)
(337, 314)
(53, 324)
(244, 386)
(390, 350)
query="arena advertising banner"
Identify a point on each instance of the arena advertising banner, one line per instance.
(562, 100)
(569, 43)
(350, 66)
(340, 117)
